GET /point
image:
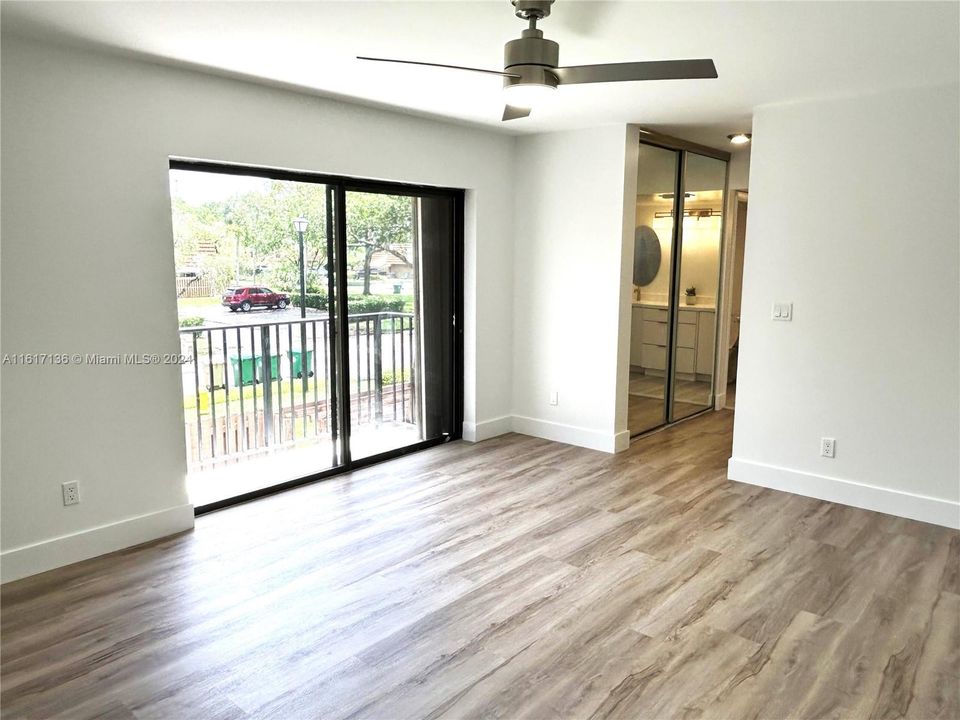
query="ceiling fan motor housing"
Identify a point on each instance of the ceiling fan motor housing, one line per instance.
(532, 57)
(527, 9)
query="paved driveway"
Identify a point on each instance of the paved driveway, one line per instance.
(221, 316)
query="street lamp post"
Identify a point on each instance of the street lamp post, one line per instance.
(300, 224)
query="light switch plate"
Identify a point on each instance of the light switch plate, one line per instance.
(782, 311)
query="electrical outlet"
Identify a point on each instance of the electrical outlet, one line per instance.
(554, 398)
(71, 492)
(828, 447)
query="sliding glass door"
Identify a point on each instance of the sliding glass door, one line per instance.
(318, 324)
(402, 275)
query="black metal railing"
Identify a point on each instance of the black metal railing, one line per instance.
(250, 389)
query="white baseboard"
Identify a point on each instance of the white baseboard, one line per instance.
(569, 434)
(847, 492)
(28, 560)
(486, 429)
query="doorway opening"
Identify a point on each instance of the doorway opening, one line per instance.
(730, 335)
(318, 323)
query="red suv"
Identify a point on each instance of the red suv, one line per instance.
(246, 298)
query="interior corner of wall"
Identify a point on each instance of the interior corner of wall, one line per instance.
(21, 562)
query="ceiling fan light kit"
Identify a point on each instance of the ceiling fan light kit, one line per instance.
(532, 72)
(523, 94)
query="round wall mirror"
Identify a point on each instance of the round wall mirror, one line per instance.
(646, 255)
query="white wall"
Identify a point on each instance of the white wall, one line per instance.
(853, 217)
(88, 267)
(739, 175)
(574, 214)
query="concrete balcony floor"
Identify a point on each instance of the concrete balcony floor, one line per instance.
(237, 474)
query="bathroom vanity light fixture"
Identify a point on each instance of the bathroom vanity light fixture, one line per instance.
(694, 213)
(739, 138)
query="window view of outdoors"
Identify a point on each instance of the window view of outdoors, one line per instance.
(260, 396)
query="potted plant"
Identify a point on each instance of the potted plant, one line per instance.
(691, 296)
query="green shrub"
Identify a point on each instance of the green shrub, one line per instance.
(401, 377)
(191, 321)
(375, 303)
(317, 300)
(357, 304)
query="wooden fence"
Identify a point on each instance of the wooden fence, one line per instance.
(194, 287)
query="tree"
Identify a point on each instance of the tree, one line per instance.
(262, 224)
(378, 222)
(251, 237)
(200, 242)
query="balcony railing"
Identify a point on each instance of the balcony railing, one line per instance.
(252, 389)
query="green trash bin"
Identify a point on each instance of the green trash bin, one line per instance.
(243, 371)
(397, 288)
(247, 370)
(297, 356)
(274, 368)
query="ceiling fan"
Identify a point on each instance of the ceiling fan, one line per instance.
(531, 65)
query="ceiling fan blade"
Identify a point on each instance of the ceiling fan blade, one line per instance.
(622, 72)
(512, 112)
(439, 65)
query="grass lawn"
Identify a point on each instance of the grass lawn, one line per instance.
(187, 303)
(219, 396)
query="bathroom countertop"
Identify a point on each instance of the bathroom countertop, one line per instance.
(663, 306)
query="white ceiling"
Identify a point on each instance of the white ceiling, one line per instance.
(765, 52)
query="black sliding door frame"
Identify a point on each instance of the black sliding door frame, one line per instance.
(337, 188)
(456, 369)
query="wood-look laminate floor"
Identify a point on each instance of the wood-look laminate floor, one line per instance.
(645, 404)
(513, 578)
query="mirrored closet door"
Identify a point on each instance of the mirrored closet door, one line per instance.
(676, 276)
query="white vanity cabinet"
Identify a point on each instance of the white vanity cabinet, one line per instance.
(706, 342)
(650, 336)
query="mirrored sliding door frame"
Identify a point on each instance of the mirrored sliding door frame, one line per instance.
(684, 147)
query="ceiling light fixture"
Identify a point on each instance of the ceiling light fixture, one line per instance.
(528, 95)
(529, 86)
(739, 138)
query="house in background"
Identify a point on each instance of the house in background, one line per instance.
(392, 265)
(480, 527)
